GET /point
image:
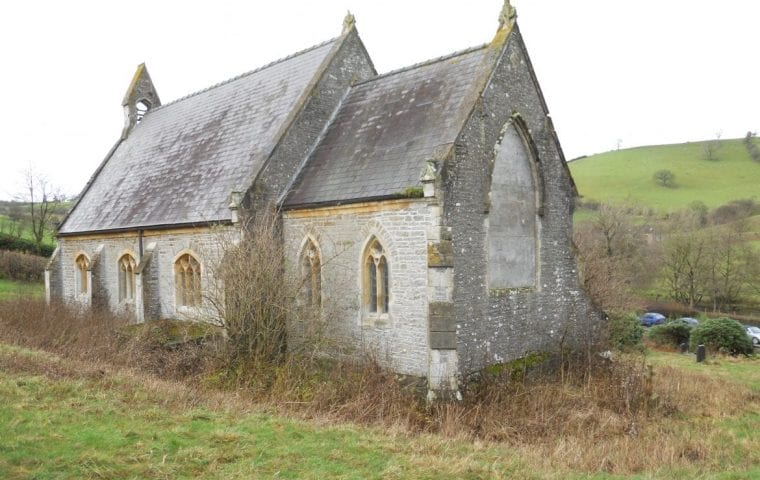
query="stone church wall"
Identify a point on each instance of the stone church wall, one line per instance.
(498, 325)
(341, 233)
(350, 64)
(104, 251)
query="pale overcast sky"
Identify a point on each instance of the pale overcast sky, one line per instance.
(639, 71)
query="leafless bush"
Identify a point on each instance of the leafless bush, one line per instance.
(250, 296)
(583, 413)
(734, 211)
(102, 336)
(21, 266)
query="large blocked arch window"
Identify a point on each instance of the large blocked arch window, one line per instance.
(187, 281)
(376, 278)
(311, 271)
(82, 266)
(127, 266)
(513, 214)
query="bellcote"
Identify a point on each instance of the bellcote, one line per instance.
(140, 98)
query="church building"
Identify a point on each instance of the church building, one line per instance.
(428, 209)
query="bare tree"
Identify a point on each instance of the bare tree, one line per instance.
(42, 201)
(614, 258)
(715, 264)
(711, 148)
(684, 266)
(731, 262)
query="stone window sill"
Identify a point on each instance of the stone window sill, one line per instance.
(379, 320)
(189, 311)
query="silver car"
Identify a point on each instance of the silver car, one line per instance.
(754, 334)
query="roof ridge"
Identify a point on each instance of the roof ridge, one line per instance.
(245, 74)
(423, 63)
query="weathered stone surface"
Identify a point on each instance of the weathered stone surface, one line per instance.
(442, 317)
(157, 277)
(400, 338)
(496, 328)
(443, 340)
(441, 254)
(481, 268)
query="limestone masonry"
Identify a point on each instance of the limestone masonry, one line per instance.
(428, 210)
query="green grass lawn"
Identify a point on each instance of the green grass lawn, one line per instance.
(11, 288)
(625, 176)
(62, 422)
(738, 369)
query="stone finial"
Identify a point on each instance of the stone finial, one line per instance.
(507, 15)
(349, 22)
(428, 176)
(429, 171)
(236, 198)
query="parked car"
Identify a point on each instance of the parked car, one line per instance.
(754, 334)
(692, 322)
(651, 318)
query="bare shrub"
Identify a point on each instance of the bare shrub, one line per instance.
(21, 266)
(575, 412)
(102, 336)
(250, 296)
(734, 211)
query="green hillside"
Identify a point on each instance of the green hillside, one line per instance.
(625, 176)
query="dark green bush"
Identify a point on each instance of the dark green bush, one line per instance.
(671, 333)
(722, 334)
(9, 242)
(625, 331)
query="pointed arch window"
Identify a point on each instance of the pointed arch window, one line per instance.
(83, 266)
(127, 266)
(187, 281)
(514, 198)
(376, 279)
(311, 269)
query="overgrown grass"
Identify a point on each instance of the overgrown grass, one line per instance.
(117, 405)
(13, 289)
(625, 176)
(93, 425)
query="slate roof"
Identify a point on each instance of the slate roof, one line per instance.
(386, 128)
(179, 165)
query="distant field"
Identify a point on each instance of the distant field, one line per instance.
(10, 288)
(5, 227)
(625, 176)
